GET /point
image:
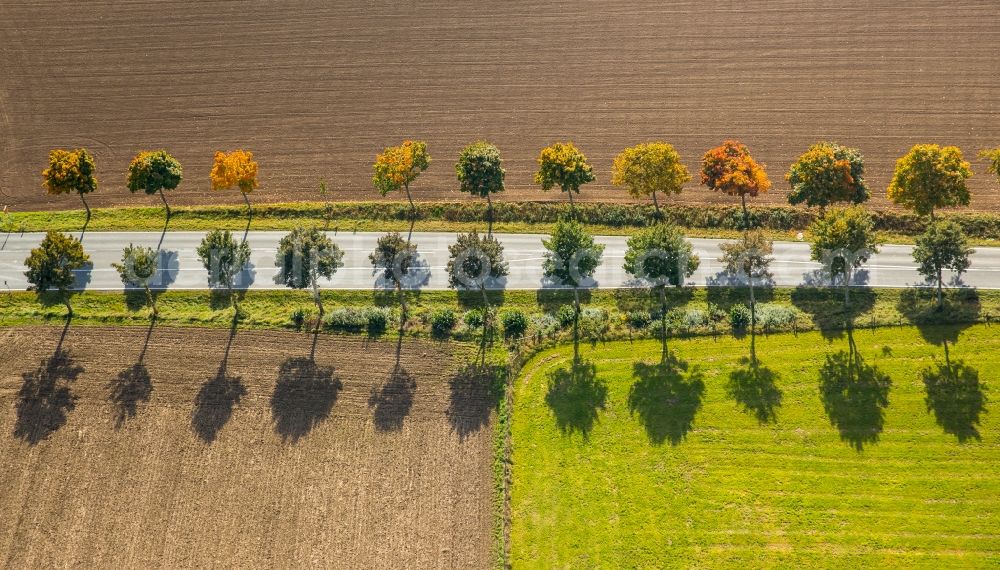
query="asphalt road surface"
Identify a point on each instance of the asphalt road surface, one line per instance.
(181, 268)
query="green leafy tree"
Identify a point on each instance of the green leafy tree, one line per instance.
(473, 260)
(224, 258)
(52, 263)
(398, 166)
(571, 257)
(71, 171)
(843, 241)
(749, 256)
(153, 172)
(942, 246)
(828, 173)
(137, 269)
(993, 156)
(393, 256)
(930, 177)
(645, 168)
(480, 171)
(305, 255)
(563, 165)
(661, 256)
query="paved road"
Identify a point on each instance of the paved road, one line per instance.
(181, 269)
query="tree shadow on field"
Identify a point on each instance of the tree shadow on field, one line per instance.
(303, 397)
(753, 386)
(576, 396)
(476, 391)
(391, 402)
(214, 404)
(962, 309)
(132, 386)
(45, 397)
(825, 306)
(956, 397)
(666, 396)
(855, 395)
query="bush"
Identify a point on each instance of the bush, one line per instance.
(298, 318)
(637, 319)
(442, 321)
(377, 320)
(593, 323)
(514, 323)
(694, 318)
(566, 315)
(739, 316)
(544, 325)
(776, 315)
(349, 319)
(475, 318)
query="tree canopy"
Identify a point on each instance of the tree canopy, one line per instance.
(572, 254)
(563, 165)
(645, 168)
(660, 255)
(304, 255)
(138, 268)
(843, 241)
(153, 171)
(71, 171)
(480, 170)
(828, 173)
(398, 166)
(993, 156)
(941, 247)
(930, 177)
(236, 169)
(393, 256)
(51, 264)
(223, 257)
(473, 260)
(729, 168)
(749, 256)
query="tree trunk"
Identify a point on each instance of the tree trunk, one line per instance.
(576, 325)
(656, 205)
(753, 303)
(489, 215)
(69, 309)
(940, 292)
(663, 323)
(85, 205)
(167, 206)
(571, 205)
(847, 283)
(151, 300)
(746, 215)
(413, 208)
(246, 201)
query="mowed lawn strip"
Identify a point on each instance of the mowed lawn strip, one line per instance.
(669, 469)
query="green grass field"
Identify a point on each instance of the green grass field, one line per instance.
(874, 449)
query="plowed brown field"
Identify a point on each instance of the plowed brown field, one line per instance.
(113, 458)
(316, 88)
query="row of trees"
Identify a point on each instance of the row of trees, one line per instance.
(927, 178)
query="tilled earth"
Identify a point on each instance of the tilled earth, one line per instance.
(317, 88)
(175, 455)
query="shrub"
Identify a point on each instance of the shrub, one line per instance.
(637, 319)
(770, 315)
(739, 316)
(377, 319)
(349, 319)
(694, 318)
(566, 315)
(716, 314)
(593, 323)
(298, 318)
(474, 318)
(442, 321)
(514, 323)
(544, 325)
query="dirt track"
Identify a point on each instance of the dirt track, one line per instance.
(278, 462)
(316, 88)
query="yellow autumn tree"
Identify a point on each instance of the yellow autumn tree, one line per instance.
(645, 168)
(397, 166)
(236, 169)
(71, 171)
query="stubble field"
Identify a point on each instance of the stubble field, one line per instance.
(315, 88)
(181, 457)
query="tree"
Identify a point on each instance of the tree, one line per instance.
(71, 171)
(473, 260)
(393, 256)
(648, 167)
(729, 168)
(153, 172)
(563, 165)
(750, 256)
(572, 256)
(661, 256)
(305, 255)
(828, 173)
(993, 156)
(224, 259)
(480, 171)
(843, 241)
(237, 169)
(137, 269)
(51, 264)
(930, 177)
(398, 166)
(942, 246)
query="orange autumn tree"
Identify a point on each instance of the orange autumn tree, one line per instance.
(730, 169)
(71, 171)
(236, 169)
(397, 166)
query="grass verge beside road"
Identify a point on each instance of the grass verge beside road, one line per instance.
(871, 449)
